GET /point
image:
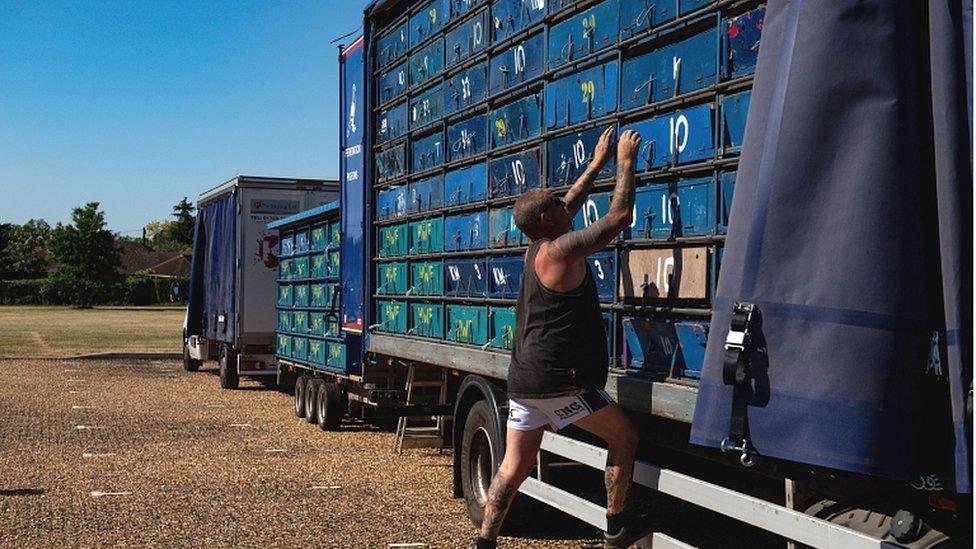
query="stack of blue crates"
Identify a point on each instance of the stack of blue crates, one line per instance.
(480, 101)
(308, 292)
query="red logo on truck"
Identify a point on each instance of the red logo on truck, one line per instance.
(266, 251)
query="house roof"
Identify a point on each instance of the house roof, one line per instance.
(136, 258)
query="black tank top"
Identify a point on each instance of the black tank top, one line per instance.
(560, 343)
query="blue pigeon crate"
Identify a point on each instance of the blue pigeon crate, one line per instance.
(510, 17)
(466, 185)
(514, 174)
(584, 33)
(466, 232)
(467, 138)
(467, 39)
(520, 63)
(505, 276)
(427, 153)
(465, 277)
(427, 63)
(425, 195)
(582, 96)
(569, 155)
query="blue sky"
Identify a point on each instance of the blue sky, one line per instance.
(136, 104)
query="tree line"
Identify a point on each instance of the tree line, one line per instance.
(78, 263)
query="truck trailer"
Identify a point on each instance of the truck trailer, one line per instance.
(230, 312)
(798, 358)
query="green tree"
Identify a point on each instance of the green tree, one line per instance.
(86, 256)
(7, 270)
(28, 248)
(182, 229)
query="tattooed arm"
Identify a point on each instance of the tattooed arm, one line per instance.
(578, 244)
(581, 188)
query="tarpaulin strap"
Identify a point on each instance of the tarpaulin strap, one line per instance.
(735, 372)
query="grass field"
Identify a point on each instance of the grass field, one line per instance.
(61, 331)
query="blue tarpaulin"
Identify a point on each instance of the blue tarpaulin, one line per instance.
(217, 257)
(851, 229)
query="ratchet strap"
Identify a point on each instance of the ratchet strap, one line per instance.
(735, 372)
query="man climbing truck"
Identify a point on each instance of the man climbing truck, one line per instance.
(559, 360)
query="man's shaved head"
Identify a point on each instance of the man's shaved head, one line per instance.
(529, 210)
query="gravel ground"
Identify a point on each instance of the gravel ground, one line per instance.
(122, 453)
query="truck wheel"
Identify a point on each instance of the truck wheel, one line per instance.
(312, 388)
(479, 445)
(331, 406)
(229, 378)
(300, 385)
(190, 364)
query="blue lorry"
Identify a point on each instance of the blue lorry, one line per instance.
(819, 389)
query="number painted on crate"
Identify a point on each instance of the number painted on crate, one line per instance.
(454, 272)
(589, 91)
(477, 270)
(500, 128)
(465, 88)
(599, 269)
(579, 153)
(335, 351)
(589, 25)
(667, 346)
(402, 78)
(432, 15)
(478, 33)
(519, 54)
(676, 141)
(518, 171)
(499, 275)
(665, 266)
(590, 212)
(667, 212)
(391, 311)
(391, 276)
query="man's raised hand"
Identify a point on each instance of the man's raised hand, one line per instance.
(604, 149)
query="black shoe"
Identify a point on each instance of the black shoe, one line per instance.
(482, 543)
(627, 527)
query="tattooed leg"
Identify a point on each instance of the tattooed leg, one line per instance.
(500, 497)
(521, 448)
(618, 475)
(612, 425)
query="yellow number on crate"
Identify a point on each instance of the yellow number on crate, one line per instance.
(589, 91)
(426, 273)
(317, 323)
(335, 351)
(500, 127)
(392, 311)
(589, 25)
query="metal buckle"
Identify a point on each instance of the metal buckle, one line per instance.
(747, 457)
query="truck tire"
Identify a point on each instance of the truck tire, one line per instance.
(300, 386)
(312, 388)
(229, 379)
(479, 445)
(190, 364)
(331, 406)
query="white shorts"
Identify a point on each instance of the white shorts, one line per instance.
(526, 414)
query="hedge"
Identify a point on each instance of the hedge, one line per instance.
(134, 290)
